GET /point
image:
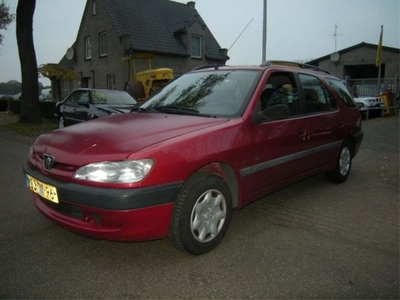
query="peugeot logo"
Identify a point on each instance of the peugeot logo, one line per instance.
(48, 162)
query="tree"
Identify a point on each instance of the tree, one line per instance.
(57, 73)
(5, 18)
(30, 109)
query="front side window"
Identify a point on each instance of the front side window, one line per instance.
(280, 98)
(88, 47)
(317, 98)
(83, 97)
(196, 46)
(73, 98)
(222, 93)
(103, 44)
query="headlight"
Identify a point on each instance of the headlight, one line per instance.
(127, 171)
(30, 151)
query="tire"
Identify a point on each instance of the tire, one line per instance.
(135, 89)
(342, 166)
(61, 122)
(201, 215)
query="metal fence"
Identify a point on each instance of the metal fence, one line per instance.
(371, 87)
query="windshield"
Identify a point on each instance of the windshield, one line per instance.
(112, 97)
(217, 93)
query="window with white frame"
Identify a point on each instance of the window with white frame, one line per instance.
(197, 46)
(102, 44)
(88, 47)
(94, 7)
(111, 81)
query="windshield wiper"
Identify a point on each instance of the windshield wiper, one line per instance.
(176, 109)
(141, 109)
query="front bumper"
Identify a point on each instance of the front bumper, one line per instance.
(113, 214)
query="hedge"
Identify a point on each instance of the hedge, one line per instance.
(47, 109)
(3, 104)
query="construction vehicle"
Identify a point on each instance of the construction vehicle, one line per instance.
(143, 84)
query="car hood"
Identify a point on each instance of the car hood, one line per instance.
(116, 137)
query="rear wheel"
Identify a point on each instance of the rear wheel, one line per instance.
(343, 165)
(201, 214)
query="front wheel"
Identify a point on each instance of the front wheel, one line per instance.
(61, 121)
(201, 214)
(343, 165)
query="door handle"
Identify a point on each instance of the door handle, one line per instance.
(302, 133)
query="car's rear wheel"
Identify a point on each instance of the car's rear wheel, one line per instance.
(61, 121)
(343, 165)
(201, 214)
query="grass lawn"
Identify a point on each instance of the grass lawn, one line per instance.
(10, 122)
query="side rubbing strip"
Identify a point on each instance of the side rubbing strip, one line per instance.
(285, 159)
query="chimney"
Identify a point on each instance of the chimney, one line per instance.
(191, 4)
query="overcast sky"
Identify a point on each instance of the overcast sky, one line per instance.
(296, 29)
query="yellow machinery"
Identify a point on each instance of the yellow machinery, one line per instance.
(142, 84)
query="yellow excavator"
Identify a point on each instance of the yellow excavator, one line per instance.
(143, 84)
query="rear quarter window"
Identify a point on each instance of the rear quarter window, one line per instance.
(341, 91)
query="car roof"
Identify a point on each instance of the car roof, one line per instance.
(99, 90)
(272, 64)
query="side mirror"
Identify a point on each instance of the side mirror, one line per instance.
(273, 113)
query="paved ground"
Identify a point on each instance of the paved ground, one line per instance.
(311, 240)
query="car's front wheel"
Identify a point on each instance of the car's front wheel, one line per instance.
(61, 121)
(201, 214)
(343, 165)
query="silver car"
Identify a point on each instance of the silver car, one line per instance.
(370, 106)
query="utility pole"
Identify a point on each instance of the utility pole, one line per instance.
(264, 40)
(378, 62)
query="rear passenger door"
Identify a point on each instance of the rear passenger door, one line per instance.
(325, 125)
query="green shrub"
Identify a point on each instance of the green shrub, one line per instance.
(15, 106)
(47, 109)
(3, 104)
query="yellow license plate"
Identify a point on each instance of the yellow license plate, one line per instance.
(47, 191)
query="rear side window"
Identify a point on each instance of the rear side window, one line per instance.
(342, 91)
(317, 98)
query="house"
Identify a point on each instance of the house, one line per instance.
(357, 65)
(112, 32)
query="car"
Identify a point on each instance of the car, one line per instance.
(86, 104)
(45, 95)
(370, 106)
(17, 96)
(212, 140)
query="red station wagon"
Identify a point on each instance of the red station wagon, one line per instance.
(213, 140)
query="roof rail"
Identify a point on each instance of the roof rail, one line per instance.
(206, 67)
(293, 64)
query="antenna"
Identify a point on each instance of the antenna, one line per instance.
(335, 35)
(240, 34)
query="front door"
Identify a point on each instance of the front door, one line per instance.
(279, 144)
